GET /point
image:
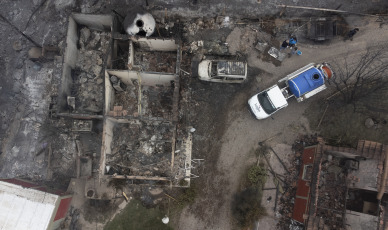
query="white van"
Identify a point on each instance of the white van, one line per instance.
(222, 71)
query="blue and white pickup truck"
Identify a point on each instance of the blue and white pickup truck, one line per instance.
(301, 84)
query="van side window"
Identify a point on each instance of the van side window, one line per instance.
(234, 79)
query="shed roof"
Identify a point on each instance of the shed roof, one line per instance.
(25, 208)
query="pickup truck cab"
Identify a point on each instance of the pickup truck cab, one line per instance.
(267, 102)
(222, 71)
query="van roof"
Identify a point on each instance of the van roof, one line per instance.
(231, 68)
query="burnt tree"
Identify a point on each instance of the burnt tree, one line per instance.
(362, 81)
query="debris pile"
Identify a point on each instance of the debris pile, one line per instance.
(163, 62)
(218, 22)
(128, 99)
(141, 149)
(88, 89)
(331, 193)
(157, 101)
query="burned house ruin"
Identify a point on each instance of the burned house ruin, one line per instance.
(124, 90)
(341, 188)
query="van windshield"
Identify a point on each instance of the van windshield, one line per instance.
(266, 103)
(213, 69)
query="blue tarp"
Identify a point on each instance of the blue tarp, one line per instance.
(306, 82)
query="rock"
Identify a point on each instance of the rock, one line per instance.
(17, 87)
(19, 64)
(156, 191)
(37, 66)
(85, 34)
(96, 69)
(99, 61)
(35, 53)
(369, 123)
(83, 80)
(100, 81)
(60, 4)
(17, 45)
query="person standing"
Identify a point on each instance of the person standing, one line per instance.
(284, 45)
(352, 33)
(292, 42)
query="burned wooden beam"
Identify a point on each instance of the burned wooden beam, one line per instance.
(81, 116)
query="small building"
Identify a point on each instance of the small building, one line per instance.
(25, 205)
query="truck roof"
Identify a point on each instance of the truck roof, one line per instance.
(276, 97)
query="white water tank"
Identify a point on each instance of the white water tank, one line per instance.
(139, 23)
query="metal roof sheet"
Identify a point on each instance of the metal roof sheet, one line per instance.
(25, 208)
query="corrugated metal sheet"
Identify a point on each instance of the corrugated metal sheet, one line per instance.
(24, 208)
(62, 209)
(302, 198)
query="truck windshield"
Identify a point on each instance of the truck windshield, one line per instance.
(266, 103)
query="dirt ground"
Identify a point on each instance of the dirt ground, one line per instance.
(232, 134)
(226, 134)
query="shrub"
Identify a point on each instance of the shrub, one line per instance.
(257, 176)
(246, 206)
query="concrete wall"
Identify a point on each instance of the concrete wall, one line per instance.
(69, 61)
(109, 94)
(153, 79)
(94, 21)
(155, 44)
(107, 136)
(125, 76)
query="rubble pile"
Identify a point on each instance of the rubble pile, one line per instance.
(179, 171)
(88, 75)
(157, 101)
(88, 91)
(332, 193)
(218, 22)
(163, 62)
(128, 99)
(141, 149)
